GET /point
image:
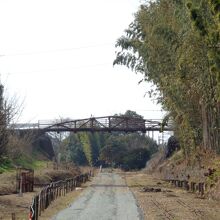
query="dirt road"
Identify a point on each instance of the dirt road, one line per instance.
(169, 203)
(107, 197)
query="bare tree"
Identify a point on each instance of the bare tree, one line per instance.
(10, 143)
(3, 126)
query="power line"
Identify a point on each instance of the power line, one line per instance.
(59, 69)
(55, 50)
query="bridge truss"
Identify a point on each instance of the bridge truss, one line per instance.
(97, 124)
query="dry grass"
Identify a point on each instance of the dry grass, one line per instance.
(20, 205)
(42, 175)
(15, 204)
(170, 203)
(138, 179)
(62, 203)
(86, 169)
(7, 183)
(59, 205)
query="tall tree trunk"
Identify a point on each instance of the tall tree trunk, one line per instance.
(205, 132)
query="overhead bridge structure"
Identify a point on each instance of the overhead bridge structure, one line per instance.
(97, 124)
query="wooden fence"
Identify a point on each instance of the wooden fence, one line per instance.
(24, 180)
(194, 187)
(52, 192)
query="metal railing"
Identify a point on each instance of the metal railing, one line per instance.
(108, 123)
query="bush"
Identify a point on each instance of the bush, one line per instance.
(136, 159)
(172, 145)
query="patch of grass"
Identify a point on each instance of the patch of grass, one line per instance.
(5, 165)
(30, 163)
(216, 163)
(178, 156)
(24, 161)
(40, 164)
(215, 177)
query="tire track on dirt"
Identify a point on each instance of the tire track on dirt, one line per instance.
(165, 212)
(197, 212)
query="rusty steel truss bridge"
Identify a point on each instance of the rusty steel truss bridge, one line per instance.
(96, 124)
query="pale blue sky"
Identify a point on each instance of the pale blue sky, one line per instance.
(58, 57)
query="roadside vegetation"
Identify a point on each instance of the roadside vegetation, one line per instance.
(17, 149)
(175, 45)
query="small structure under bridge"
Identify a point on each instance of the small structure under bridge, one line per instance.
(96, 124)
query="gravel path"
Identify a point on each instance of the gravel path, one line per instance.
(108, 198)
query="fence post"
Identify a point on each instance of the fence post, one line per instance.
(13, 216)
(32, 210)
(40, 204)
(46, 201)
(36, 206)
(201, 188)
(43, 199)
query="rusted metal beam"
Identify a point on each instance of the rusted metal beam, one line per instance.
(99, 124)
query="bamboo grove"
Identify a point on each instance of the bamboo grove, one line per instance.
(175, 45)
